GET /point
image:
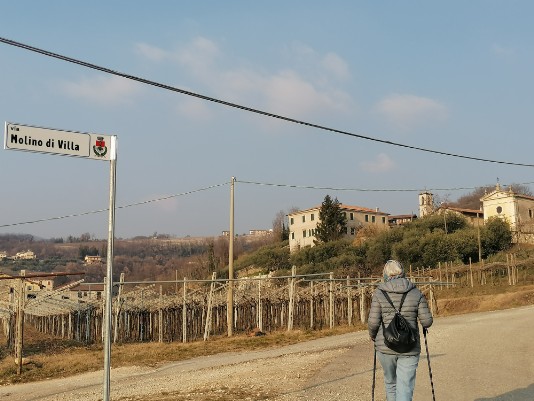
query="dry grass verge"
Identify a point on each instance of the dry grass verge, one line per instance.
(54, 358)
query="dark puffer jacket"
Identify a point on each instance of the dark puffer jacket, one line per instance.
(415, 307)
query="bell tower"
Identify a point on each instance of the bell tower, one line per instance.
(426, 204)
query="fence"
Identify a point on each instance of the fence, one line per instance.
(196, 309)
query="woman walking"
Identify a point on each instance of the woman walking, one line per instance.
(399, 367)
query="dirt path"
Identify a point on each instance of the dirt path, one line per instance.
(475, 357)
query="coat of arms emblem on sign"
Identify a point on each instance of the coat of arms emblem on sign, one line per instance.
(100, 147)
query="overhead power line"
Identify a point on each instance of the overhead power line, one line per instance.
(355, 189)
(294, 186)
(246, 108)
(105, 210)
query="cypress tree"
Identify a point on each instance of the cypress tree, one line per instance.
(332, 221)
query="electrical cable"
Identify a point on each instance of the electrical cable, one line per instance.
(363, 189)
(244, 182)
(106, 209)
(246, 108)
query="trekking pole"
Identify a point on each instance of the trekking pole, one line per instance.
(429, 368)
(374, 378)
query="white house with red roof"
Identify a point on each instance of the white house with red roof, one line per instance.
(302, 223)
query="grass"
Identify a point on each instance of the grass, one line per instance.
(54, 358)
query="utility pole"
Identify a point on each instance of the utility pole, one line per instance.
(230, 300)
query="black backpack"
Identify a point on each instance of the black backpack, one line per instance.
(399, 335)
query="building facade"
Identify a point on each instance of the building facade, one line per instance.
(303, 223)
(27, 255)
(516, 209)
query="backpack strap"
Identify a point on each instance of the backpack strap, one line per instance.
(391, 302)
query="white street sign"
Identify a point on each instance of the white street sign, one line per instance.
(59, 142)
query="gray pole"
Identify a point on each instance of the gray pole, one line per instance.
(109, 278)
(230, 300)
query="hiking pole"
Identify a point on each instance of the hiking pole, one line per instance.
(374, 378)
(429, 368)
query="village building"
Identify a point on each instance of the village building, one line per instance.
(303, 223)
(27, 255)
(93, 260)
(516, 209)
(401, 219)
(87, 291)
(260, 233)
(474, 217)
(37, 285)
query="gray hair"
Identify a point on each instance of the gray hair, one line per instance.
(393, 268)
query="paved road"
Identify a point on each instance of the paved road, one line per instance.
(476, 357)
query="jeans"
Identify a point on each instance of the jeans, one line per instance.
(399, 375)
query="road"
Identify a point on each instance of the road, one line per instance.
(476, 357)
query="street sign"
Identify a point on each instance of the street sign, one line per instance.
(59, 142)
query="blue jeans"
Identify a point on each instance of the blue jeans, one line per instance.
(399, 375)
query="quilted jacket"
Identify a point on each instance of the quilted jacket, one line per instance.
(415, 308)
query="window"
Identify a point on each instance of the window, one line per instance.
(383, 220)
(312, 218)
(373, 219)
(292, 221)
(530, 213)
(292, 235)
(310, 232)
(367, 218)
(499, 209)
(352, 231)
(304, 219)
(303, 233)
(352, 216)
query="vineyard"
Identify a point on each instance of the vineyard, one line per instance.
(193, 310)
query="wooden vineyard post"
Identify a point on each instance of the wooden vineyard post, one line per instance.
(184, 313)
(291, 299)
(207, 327)
(363, 309)
(20, 324)
(471, 272)
(260, 307)
(118, 308)
(160, 315)
(508, 269)
(311, 304)
(331, 298)
(439, 270)
(103, 311)
(432, 300)
(349, 303)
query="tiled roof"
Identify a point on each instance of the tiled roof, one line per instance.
(344, 208)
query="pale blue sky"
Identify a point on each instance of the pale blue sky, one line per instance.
(453, 76)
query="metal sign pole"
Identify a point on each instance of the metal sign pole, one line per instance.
(109, 281)
(30, 138)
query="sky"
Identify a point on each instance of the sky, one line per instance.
(453, 77)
